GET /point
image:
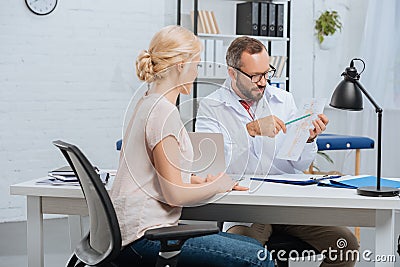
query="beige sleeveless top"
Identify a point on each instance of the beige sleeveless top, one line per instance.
(136, 192)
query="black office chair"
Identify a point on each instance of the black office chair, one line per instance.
(102, 245)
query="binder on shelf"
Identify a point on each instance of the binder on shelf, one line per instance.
(220, 67)
(280, 66)
(210, 21)
(263, 20)
(210, 64)
(204, 21)
(271, 19)
(201, 66)
(215, 22)
(247, 18)
(272, 61)
(279, 63)
(200, 23)
(279, 20)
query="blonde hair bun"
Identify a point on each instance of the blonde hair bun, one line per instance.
(171, 45)
(144, 67)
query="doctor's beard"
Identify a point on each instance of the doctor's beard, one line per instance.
(253, 93)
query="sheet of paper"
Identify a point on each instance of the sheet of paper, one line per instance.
(53, 181)
(298, 132)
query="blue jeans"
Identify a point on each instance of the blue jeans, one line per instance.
(222, 249)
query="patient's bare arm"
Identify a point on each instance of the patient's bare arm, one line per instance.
(174, 190)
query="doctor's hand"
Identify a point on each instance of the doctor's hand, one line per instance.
(319, 127)
(267, 126)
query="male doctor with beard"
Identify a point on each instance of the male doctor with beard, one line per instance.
(251, 114)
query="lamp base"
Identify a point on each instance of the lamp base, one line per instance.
(371, 191)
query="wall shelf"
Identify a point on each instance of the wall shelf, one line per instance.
(276, 46)
(232, 36)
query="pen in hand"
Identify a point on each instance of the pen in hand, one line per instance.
(300, 118)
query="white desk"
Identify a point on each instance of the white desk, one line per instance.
(271, 203)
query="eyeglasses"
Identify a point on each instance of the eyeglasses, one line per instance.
(268, 75)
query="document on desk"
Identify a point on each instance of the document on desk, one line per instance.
(353, 182)
(69, 179)
(295, 179)
(298, 132)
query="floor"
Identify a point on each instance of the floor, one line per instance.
(13, 243)
(56, 244)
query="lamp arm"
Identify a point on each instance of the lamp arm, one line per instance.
(378, 109)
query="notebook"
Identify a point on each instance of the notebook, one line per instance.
(360, 181)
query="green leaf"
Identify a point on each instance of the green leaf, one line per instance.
(325, 156)
(327, 24)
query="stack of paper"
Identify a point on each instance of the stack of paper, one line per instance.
(66, 176)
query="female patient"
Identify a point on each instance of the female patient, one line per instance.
(153, 180)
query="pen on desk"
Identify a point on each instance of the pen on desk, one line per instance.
(300, 118)
(258, 179)
(325, 177)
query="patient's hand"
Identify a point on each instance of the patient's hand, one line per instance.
(238, 187)
(235, 187)
(194, 179)
(267, 126)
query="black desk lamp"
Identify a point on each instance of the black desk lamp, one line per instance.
(347, 95)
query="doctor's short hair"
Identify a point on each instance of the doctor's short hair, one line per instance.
(168, 47)
(240, 45)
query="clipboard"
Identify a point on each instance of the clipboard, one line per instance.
(308, 181)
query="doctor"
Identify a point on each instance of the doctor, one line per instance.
(245, 96)
(250, 114)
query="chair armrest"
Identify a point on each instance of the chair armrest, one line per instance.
(172, 239)
(181, 232)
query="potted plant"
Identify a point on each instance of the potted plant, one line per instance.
(314, 169)
(327, 25)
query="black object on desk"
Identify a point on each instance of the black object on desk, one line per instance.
(347, 96)
(310, 181)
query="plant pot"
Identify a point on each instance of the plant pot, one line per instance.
(329, 42)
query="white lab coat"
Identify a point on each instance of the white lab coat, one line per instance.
(221, 112)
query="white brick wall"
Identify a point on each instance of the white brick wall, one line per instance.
(67, 76)
(70, 76)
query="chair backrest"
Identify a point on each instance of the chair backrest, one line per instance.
(103, 242)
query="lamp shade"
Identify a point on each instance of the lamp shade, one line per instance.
(347, 96)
